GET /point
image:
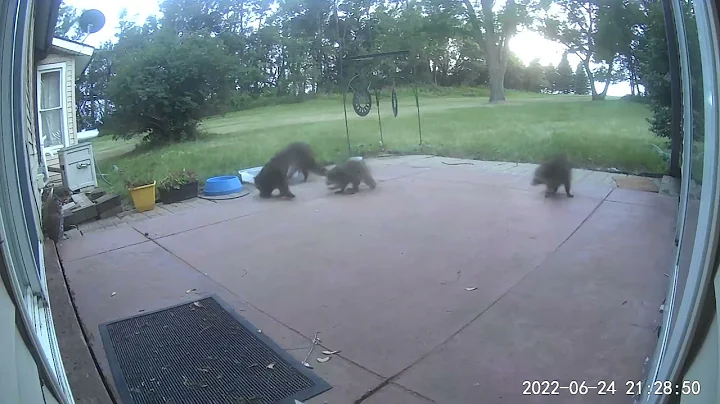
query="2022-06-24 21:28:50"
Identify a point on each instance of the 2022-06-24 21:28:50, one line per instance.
(632, 388)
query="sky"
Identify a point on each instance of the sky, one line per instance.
(526, 45)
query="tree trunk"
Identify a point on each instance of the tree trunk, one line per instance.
(92, 111)
(633, 76)
(593, 91)
(497, 87)
(495, 50)
(607, 82)
(599, 96)
(493, 54)
(591, 80)
(605, 90)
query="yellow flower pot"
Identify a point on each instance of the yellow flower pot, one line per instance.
(143, 197)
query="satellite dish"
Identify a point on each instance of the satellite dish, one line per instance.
(91, 21)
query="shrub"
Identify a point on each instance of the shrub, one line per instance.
(162, 86)
(176, 179)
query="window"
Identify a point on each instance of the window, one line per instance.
(695, 260)
(52, 107)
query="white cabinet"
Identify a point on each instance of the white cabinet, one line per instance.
(78, 166)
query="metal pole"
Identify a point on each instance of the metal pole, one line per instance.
(341, 40)
(377, 107)
(417, 101)
(417, 105)
(347, 129)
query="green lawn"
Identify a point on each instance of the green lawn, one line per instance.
(525, 129)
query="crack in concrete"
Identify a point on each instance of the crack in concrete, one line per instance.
(221, 286)
(397, 375)
(387, 380)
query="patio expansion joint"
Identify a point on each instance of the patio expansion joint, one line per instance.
(505, 186)
(419, 171)
(393, 378)
(464, 182)
(107, 251)
(412, 392)
(635, 203)
(379, 376)
(240, 216)
(194, 228)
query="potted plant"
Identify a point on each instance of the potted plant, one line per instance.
(142, 191)
(178, 186)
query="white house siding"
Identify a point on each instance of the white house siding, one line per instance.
(69, 61)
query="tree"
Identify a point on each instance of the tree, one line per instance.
(230, 21)
(535, 78)
(552, 77)
(580, 80)
(654, 67)
(91, 88)
(514, 74)
(165, 85)
(494, 31)
(65, 26)
(591, 30)
(564, 79)
(630, 23)
(618, 23)
(469, 67)
(294, 51)
(655, 70)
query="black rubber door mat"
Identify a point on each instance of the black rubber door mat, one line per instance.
(202, 352)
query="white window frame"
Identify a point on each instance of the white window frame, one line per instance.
(671, 302)
(21, 271)
(49, 68)
(671, 356)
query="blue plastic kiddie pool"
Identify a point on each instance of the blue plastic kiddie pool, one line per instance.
(222, 185)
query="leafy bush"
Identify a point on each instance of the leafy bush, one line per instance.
(137, 179)
(164, 84)
(636, 98)
(176, 179)
(580, 81)
(242, 101)
(654, 63)
(655, 68)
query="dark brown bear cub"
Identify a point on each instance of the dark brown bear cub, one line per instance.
(275, 173)
(350, 172)
(554, 172)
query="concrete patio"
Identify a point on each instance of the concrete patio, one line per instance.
(566, 289)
